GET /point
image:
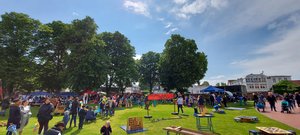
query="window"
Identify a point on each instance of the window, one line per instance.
(274, 80)
(285, 78)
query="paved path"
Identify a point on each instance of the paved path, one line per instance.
(292, 119)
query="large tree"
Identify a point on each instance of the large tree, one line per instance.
(180, 64)
(50, 53)
(17, 35)
(122, 70)
(148, 68)
(86, 63)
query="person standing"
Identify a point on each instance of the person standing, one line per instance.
(272, 100)
(106, 129)
(225, 100)
(297, 98)
(45, 115)
(255, 99)
(200, 103)
(180, 104)
(25, 115)
(14, 117)
(212, 100)
(74, 111)
(82, 114)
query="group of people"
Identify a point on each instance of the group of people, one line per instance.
(20, 113)
(289, 101)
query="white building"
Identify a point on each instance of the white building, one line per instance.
(259, 82)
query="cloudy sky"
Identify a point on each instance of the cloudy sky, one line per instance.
(239, 36)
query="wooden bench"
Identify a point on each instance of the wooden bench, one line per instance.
(183, 131)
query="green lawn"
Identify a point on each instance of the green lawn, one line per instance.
(223, 123)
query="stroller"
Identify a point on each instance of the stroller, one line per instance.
(285, 106)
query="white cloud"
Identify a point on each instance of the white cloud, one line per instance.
(196, 7)
(75, 14)
(168, 25)
(218, 4)
(137, 57)
(171, 31)
(218, 77)
(137, 7)
(180, 1)
(280, 57)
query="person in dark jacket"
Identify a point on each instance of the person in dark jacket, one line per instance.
(82, 114)
(106, 129)
(14, 117)
(90, 115)
(297, 98)
(272, 100)
(56, 130)
(74, 111)
(45, 115)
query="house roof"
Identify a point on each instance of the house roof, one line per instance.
(297, 82)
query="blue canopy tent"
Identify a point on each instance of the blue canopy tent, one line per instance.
(212, 89)
(66, 94)
(39, 94)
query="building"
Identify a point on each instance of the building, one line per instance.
(239, 81)
(258, 82)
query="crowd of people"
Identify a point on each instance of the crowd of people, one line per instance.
(288, 104)
(78, 106)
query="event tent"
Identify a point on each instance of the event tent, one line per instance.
(66, 94)
(39, 94)
(212, 89)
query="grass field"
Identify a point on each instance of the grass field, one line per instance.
(223, 123)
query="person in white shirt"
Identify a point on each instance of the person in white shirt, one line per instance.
(25, 115)
(180, 103)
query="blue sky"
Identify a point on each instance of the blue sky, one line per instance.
(239, 37)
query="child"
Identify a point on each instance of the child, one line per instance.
(11, 129)
(82, 114)
(106, 129)
(66, 117)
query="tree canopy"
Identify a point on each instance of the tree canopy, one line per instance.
(180, 64)
(58, 55)
(148, 69)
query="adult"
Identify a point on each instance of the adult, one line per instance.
(255, 99)
(25, 115)
(56, 130)
(45, 115)
(74, 111)
(180, 103)
(225, 100)
(200, 103)
(5, 104)
(297, 98)
(106, 129)
(272, 100)
(261, 103)
(212, 99)
(14, 117)
(85, 98)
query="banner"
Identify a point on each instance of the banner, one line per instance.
(163, 96)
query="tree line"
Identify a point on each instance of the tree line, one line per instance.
(59, 55)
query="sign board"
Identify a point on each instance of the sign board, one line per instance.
(135, 123)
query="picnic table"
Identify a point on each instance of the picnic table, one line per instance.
(273, 131)
(183, 131)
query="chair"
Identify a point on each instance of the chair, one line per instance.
(254, 132)
(292, 132)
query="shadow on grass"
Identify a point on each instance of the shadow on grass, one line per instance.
(76, 132)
